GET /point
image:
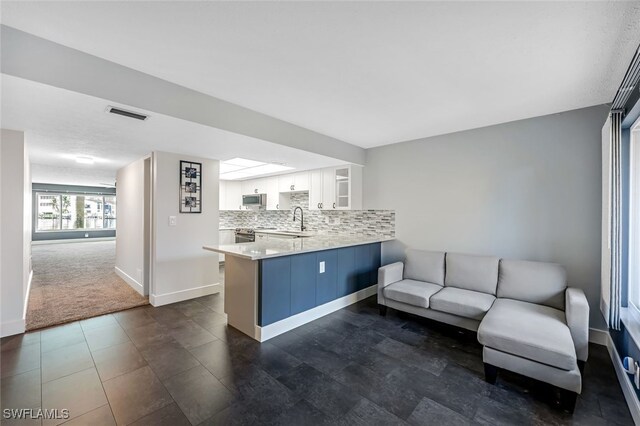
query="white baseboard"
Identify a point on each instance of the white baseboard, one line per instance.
(625, 382)
(272, 330)
(179, 296)
(26, 297)
(130, 280)
(71, 240)
(12, 327)
(599, 337)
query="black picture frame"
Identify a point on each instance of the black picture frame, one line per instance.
(190, 187)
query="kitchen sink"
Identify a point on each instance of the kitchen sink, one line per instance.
(284, 234)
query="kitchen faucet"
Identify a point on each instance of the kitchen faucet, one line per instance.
(302, 227)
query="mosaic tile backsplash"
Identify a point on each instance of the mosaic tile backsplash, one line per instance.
(351, 222)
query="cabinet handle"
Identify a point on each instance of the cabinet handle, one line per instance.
(334, 205)
(277, 206)
(255, 191)
(291, 187)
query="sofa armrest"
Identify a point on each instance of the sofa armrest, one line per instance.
(390, 274)
(577, 313)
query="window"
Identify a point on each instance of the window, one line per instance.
(73, 212)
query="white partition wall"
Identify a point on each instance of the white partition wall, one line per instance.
(180, 268)
(15, 231)
(132, 242)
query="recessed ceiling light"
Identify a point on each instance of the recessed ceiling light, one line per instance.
(84, 160)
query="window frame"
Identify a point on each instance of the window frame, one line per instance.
(633, 268)
(59, 195)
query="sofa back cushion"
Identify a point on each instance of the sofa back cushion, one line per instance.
(535, 282)
(477, 273)
(424, 265)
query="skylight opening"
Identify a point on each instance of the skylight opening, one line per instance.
(242, 168)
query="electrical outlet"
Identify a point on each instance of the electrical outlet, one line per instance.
(173, 221)
(322, 267)
(636, 377)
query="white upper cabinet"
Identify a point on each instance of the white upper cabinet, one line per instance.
(329, 190)
(222, 194)
(293, 182)
(315, 189)
(336, 188)
(254, 186)
(275, 199)
(230, 195)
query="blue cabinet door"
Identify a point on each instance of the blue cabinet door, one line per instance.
(275, 290)
(347, 280)
(304, 270)
(376, 259)
(327, 282)
(364, 264)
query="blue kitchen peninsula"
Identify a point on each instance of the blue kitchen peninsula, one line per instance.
(276, 285)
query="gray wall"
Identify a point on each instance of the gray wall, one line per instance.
(528, 189)
(68, 235)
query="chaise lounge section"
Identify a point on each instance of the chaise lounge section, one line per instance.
(526, 317)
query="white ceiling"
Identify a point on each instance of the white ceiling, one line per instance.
(61, 125)
(369, 73)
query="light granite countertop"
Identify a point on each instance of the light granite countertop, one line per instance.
(287, 247)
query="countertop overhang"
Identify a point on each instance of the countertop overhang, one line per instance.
(287, 247)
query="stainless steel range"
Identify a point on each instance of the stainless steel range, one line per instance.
(245, 235)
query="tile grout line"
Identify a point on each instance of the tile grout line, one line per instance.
(156, 376)
(96, 367)
(41, 383)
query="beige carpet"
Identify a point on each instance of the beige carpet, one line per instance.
(75, 281)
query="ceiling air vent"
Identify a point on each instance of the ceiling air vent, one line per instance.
(125, 113)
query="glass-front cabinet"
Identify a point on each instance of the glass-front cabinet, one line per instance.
(343, 188)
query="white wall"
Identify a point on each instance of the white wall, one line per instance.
(130, 226)
(181, 269)
(15, 230)
(529, 189)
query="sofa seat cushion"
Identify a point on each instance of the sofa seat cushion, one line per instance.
(530, 331)
(464, 303)
(411, 292)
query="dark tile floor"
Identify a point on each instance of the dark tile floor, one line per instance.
(180, 364)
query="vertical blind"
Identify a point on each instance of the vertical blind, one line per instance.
(615, 220)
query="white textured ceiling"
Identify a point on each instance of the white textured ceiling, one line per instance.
(369, 73)
(60, 125)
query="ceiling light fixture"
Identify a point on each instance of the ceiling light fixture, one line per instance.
(241, 168)
(85, 160)
(243, 162)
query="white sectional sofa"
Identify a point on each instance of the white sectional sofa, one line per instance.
(527, 319)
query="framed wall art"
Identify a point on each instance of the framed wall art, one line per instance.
(190, 187)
